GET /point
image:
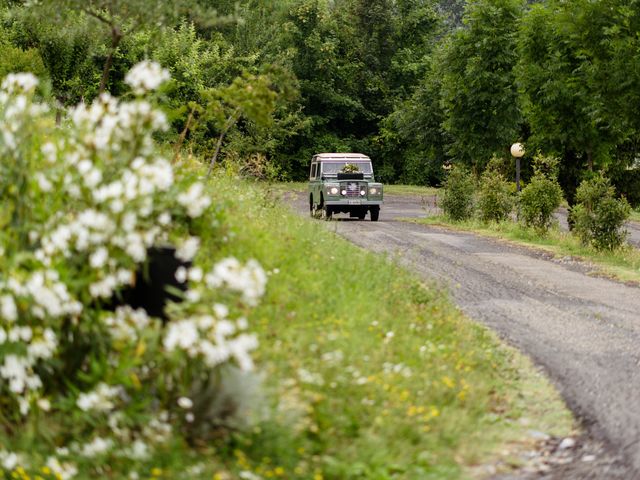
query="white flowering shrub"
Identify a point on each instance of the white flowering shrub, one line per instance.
(83, 204)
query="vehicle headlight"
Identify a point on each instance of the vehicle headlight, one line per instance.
(363, 192)
(344, 192)
(332, 189)
(373, 191)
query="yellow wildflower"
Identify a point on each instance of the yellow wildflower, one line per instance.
(448, 382)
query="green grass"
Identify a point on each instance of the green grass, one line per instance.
(369, 373)
(622, 264)
(410, 190)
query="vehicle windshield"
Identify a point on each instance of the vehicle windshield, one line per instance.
(333, 168)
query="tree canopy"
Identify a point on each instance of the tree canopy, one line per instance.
(415, 84)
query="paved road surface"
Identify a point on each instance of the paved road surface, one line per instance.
(583, 330)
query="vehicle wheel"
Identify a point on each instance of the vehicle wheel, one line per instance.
(312, 207)
(375, 213)
(327, 213)
(362, 215)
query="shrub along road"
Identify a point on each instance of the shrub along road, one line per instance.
(419, 206)
(584, 331)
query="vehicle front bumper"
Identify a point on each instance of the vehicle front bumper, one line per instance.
(353, 203)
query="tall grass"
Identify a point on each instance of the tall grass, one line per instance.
(371, 373)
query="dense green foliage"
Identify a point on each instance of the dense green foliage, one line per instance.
(495, 197)
(459, 191)
(542, 196)
(413, 83)
(578, 81)
(598, 216)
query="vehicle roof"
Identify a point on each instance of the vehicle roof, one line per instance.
(341, 156)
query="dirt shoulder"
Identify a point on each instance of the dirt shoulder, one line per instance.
(583, 330)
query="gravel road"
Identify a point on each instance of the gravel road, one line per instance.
(584, 331)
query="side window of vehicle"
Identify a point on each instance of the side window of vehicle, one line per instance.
(313, 171)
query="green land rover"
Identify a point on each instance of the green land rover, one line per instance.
(343, 183)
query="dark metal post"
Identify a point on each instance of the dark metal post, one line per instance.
(518, 174)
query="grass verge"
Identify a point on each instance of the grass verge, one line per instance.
(369, 373)
(410, 190)
(622, 264)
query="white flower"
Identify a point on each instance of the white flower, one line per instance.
(138, 451)
(242, 323)
(135, 248)
(65, 471)
(240, 348)
(182, 334)
(127, 322)
(195, 274)
(44, 404)
(250, 280)
(99, 399)
(193, 296)
(43, 348)
(146, 76)
(214, 355)
(50, 152)
(8, 308)
(19, 82)
(164, 219)
(9, 460)
(103, 288)
(23, 406)
(17, 371)
(188, 249)
(96, 447)
(185, 402)
(221, 310)
(181, 274)
(247, 475)
(92, 178)
(99, 258)
(224, 328)
(194, 200)
(43, 182)
(125, 277)
(129, 221)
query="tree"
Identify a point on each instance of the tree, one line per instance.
(116, 18)
(579, 81)
(479, 93)
(415, 130)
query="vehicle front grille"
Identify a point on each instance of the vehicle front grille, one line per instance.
(353, 189)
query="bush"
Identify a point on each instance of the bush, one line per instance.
(598, 216)
(457, 199)
(106, 389)
(14, 59)
(542, 196)
(495, 198)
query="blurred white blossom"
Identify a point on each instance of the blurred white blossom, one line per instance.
(146, 76)
(100, 399)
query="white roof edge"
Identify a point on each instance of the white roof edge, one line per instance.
(335, 156)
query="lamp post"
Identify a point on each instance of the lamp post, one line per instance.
(517, 150)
